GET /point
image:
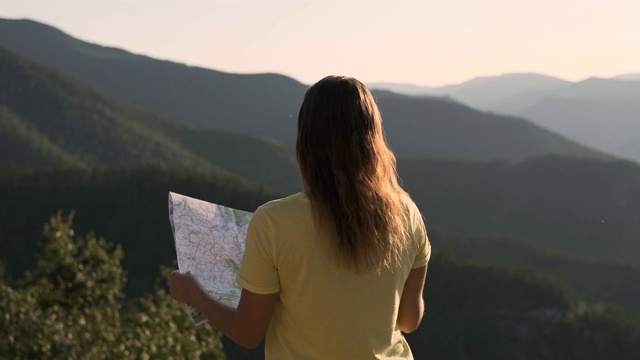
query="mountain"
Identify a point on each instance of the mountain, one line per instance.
(74, 125)
(608, 124)
(22, 144)
(481, 92)
(627, 77)
(595, 280)
(267, 104)
(50, 120)
(432, 128)
(600, 113)
(493, 312)
(261, 104)
(511, 93)
(57, 118)
(403, 88)
(579, 206)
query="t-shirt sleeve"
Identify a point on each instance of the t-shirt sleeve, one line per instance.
(421, 240)
(258, 271)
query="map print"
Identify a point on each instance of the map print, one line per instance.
(209, 242)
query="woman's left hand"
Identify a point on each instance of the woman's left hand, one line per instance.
(183, 287)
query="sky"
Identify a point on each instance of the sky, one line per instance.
(428, 42)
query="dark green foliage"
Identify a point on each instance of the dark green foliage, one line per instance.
(48, 120)
(593, 280)
(72, 306)
(258, 160)
(82, 122)
(580, 206)
(481, 312)
(467, 198)
(127, 205)
(21, 143)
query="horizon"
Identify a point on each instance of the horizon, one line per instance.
(455, 42)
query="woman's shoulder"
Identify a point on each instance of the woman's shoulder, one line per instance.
(413, 216)
(292, 203)
(409, 205)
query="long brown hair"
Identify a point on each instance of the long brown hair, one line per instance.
(350, 175)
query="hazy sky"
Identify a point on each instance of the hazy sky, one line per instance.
(423, 42)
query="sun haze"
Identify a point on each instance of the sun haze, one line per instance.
(422, 42)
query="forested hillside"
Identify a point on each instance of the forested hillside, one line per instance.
(587, 207)
(75, 289)
(491, 312)
(267, 104)
(127, 206)
(595, 280)
(130, 207)
(42, 106)
(421, 127)
(50, 120)
(262, 104)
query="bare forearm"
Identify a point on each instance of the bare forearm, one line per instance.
(411, 308)
(219, 315)
(408, 321)
(246, 325)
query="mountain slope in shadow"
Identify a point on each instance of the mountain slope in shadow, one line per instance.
(267, 104)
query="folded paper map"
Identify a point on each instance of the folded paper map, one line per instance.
(209, 242)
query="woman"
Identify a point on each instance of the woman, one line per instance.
(336, 272)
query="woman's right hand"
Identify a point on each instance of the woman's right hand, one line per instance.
(184, 286)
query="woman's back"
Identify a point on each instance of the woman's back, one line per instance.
(325, 311)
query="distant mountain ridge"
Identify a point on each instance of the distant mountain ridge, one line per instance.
(267, 104)
(582, 111)
(628, 77)
(478, 91)
(481, 92)
(611, 124)
(437, 129)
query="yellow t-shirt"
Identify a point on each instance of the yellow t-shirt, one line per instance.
(324, 311)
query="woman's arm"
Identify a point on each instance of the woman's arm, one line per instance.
(246, 325)
(411, 304)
